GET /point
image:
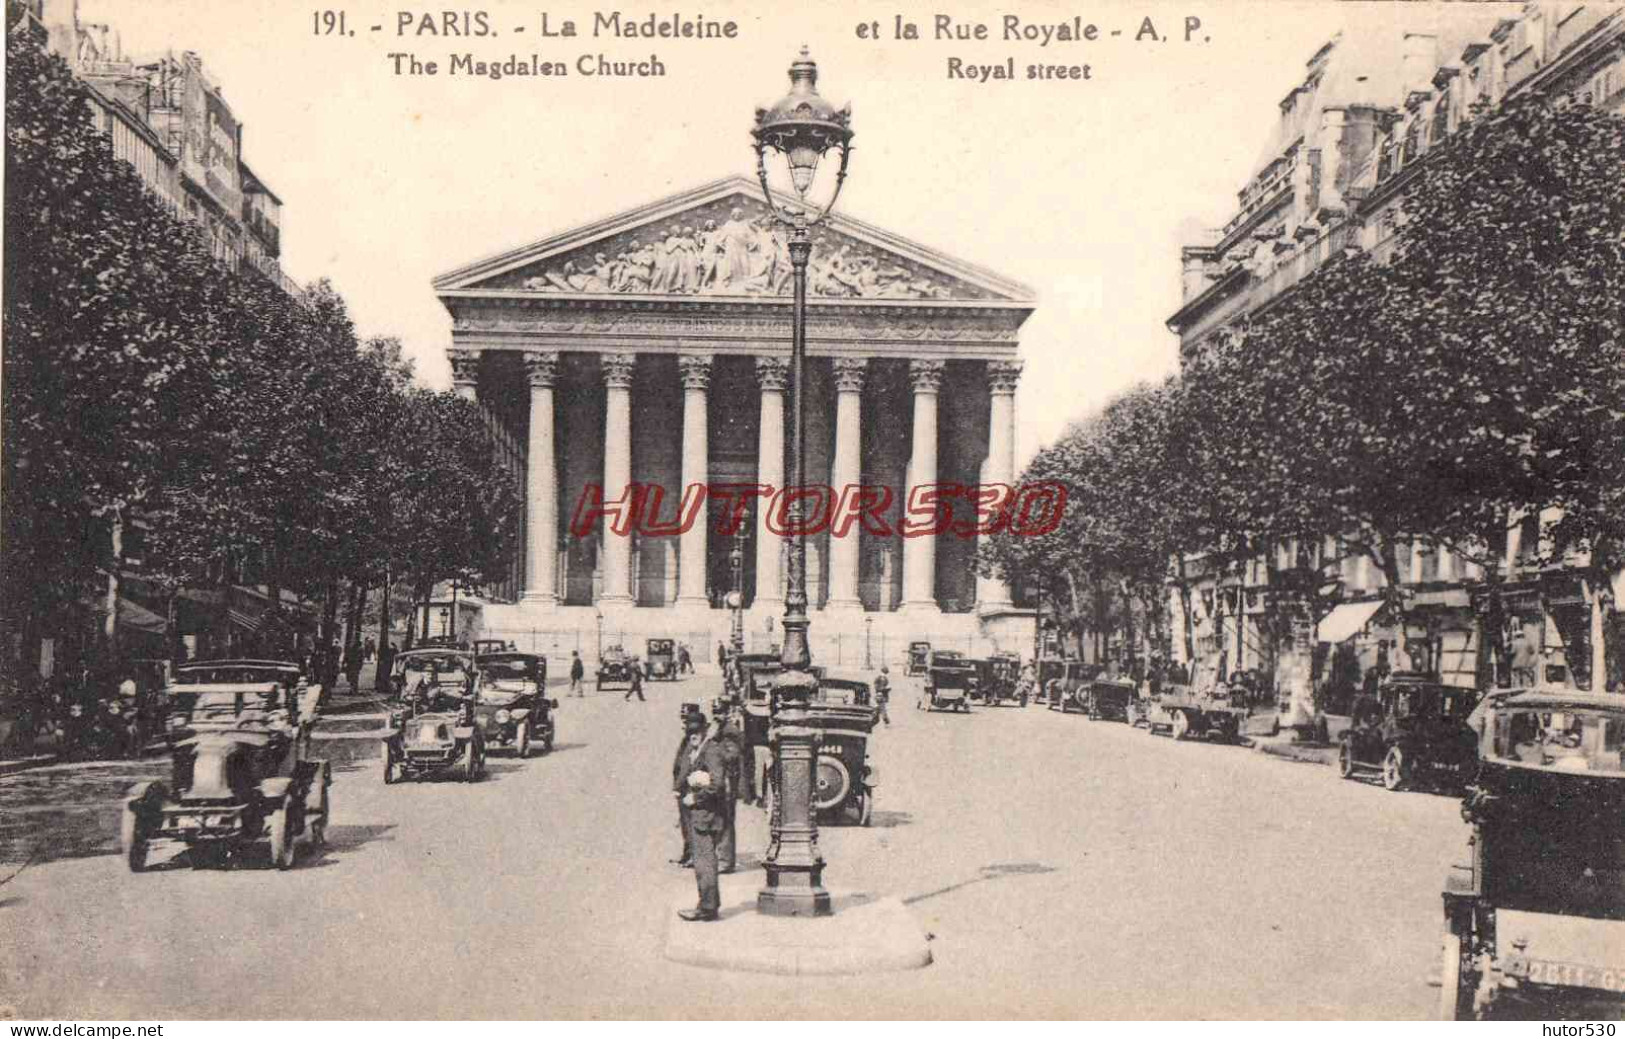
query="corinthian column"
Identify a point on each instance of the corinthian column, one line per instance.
(772, 373)
(617, 558)
(846, 471)
(992, 594)
(696, 374)
(465, 372)
(920, 553)
(541, 484)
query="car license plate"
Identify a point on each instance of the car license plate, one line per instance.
(1576, 975)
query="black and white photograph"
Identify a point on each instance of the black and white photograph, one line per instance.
(822, 512)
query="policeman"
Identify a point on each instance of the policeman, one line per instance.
(730, 731)
(691, 738)
(704, 769)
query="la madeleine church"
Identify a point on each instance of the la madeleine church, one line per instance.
(653, 347)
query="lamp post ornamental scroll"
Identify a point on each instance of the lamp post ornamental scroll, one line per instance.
(797, 131)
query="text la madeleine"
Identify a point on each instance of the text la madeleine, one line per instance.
(644, 27)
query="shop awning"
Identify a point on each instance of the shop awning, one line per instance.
(1347, 619)
(134, 615)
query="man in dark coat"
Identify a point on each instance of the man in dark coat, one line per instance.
(704, 781)
(691, 738)
(731, 732)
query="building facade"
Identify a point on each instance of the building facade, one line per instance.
(649, 351)
(1350, 137)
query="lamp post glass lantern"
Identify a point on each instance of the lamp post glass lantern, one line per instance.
(795, 134)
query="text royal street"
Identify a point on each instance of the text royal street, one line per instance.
(523, 65)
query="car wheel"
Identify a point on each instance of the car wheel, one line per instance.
(1396, 769)
(1182, 725)
(283, 850)
(133, 839)
(1345, 760)
(521, 740)
(1456, 986)
(471, 765)
(866, 809)
(391, 769)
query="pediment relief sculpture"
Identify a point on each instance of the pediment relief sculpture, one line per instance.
(733, 247)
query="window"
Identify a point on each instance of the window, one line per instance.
(1441, 118)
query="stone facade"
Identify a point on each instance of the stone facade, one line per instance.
(652, 349)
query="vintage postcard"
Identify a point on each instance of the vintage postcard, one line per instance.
(850, 510)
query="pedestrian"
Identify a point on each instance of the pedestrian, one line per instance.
(722, 654)
(702, 784)
(685, 663)
(730, 732)
(883, 693)
(1524, 659)
(369, 649)
(690, 740)
(578, 670)
(129, 737)
(635, 670)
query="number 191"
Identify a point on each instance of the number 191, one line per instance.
(329, 23)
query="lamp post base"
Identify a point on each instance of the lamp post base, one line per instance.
(794, 893)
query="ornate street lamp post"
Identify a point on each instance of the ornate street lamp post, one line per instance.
(736, 597)
(797, 131)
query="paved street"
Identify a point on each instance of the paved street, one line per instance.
(1064, 867)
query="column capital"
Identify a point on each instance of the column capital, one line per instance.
(849, 373)
(542, 369)
(1002, 376)
(926, 375)
(773, 372)
(695, 370)
(465, 365)
(617, 370)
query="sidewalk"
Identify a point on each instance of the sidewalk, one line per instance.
(1281, 746)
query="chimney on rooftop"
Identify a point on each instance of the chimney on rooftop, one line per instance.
(1418, 61)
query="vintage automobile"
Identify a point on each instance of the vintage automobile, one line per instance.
(949, 681)
(843, 779)
(513, 709)
(998, 679)
(1535, 921)
(660, 659)
(432, 724)
(1413, 728)
(484, 646)
(1110, 698)
(240, 772)
(919, 658)
(1066, 685)
(614, 665)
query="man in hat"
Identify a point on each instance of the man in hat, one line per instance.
(578, 671)
(692, 737)
(703, 782)
(730, 731)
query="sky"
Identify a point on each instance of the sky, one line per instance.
(1081, 189)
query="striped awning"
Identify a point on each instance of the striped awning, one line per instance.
(246, 621)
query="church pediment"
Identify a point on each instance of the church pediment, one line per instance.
(722, 241)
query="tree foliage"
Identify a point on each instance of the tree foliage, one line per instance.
(252, 434)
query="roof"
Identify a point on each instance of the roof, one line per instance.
(1566, 699)
(581, 240)
(851, 676)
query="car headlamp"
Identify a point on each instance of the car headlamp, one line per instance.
(503, 716)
